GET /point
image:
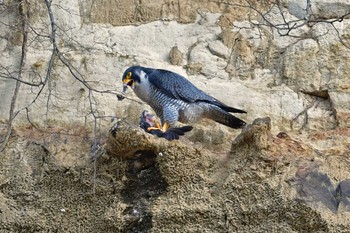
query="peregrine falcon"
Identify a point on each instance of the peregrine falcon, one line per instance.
(174, 98)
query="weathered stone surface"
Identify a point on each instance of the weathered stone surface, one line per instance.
(176, 56)
(183, 11)
(326, 9)
(146, 183)
(219, 49)
(301, 82)
(343, 196)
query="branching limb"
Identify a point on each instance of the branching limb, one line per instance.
(23, 17)
(287, 27)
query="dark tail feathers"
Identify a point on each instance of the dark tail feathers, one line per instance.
(231, 109)
(222, 116)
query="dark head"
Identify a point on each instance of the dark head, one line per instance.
(131, 77)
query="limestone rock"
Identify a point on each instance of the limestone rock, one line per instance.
(219, 49)
(158, 183)
(211, 65)
(324, 9)
(176, 56)
(55, 172)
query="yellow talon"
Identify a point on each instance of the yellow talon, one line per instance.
(165, 127)
(158, 127)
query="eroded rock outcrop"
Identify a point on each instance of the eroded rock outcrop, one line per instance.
(286, 173)
(143, 183)
(265, 183)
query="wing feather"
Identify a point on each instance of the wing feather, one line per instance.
(178, 87)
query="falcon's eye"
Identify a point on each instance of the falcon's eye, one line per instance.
(128, 75)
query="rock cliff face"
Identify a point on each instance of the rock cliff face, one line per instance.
(76, 161)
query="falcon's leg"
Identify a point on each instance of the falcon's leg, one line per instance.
(169, 116)
(169, 133)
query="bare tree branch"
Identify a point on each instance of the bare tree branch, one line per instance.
(23, 17)
(287, 27)
(9, 75)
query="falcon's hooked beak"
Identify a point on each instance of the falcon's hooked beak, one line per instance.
(128, 81)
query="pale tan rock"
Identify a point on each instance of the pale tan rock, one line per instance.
(219, 49)
(325, 9)
(176, 56)
(301, 83)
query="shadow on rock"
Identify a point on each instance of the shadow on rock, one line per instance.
(144, 181)
(143, 185)
(315, 188)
